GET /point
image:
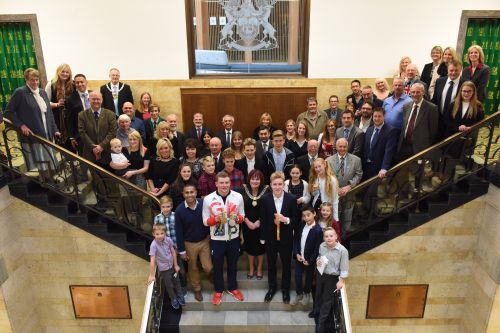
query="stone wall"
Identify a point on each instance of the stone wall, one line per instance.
(44, 255)
(442, 253)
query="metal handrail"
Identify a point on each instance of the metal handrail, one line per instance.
(147, 307)
(425, 152)
(86, 162)
(345, 309)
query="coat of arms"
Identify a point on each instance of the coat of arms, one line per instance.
(251, 20)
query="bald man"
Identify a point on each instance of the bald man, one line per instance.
(305, 161)
(115, 93)
(135, 122)
(178, 138)
(215, 147)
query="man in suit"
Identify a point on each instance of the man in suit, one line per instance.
(380, 146)
(278, 158)
(264, 143)
(348, 170)
(334, 112)
(115, 93)
(445, 91)
(97, 126)
(177, 137)
(226, 135)
(215, 147)
(152, 122)
(352, 133)
(249, 161)
(76, 102)
(305, 161)
(313, 118)
(420, 124)
(196, 132)
(279, 220)
(135, 122)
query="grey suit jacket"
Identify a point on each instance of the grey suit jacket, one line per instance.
(96, 133)
(355, 140)
(352, 172)
(259, 151)
(425, 132)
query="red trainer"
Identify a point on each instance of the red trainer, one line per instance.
(236, 294)
(217, 299)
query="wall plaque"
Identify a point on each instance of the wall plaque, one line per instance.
(396, 301)
(97, 302)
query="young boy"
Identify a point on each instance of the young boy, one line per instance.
(335, 259)
(236, 176)
(167, 218)
(118, 158)
(163, 254)
(206, 182)
(305, 250)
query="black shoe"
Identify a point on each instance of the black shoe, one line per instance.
(312, 314)
(286, 296)
(269, 295)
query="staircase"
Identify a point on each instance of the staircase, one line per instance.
(130, 229)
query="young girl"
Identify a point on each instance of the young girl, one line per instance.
(326, 219)
(184, 177)
(298, 187)
(206, 183)
(334, 258)
(237, 145)
(324, 186)
(305, 251)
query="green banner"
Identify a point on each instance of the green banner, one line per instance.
(17, 53)
(485, 33)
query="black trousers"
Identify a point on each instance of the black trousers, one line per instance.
(285, 252)
(324, 302)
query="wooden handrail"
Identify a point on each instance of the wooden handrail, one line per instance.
(87, 162)
(426, 151)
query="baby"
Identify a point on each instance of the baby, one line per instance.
(118, 159)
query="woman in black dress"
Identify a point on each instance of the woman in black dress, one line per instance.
(299, 144)
(162, 170)
(252, 192)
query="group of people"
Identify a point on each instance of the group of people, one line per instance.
(217, 181)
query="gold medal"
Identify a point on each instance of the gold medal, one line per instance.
(254, 203)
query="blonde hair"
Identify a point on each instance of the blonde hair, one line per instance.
(136, 135)
(166, 199)
(207, 159)
(249, 142)
(329, 222)
(268, 116)
(473, 105)
(159, 226)
(160, 125)
(313, 176)
(115, 141)
(454, 56)
(479, 49)
(161, 143)
(56, 82)
(381, 79)
(228, 153)
(401, 64)
(276, 175)
(31, 72)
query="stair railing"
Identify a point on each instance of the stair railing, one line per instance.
(409, 182)
(81, 181)
(151, 315)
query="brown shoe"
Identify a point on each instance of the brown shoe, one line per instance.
(198, 296)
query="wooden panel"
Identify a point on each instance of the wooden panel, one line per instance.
(245, 104)
(101, 302)
(396, 301)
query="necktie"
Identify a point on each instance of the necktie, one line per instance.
(374, 138)
(154, 125)
(86, 100)
(115, 99)
(411, 124)
(96, 115)
(447, 100)
(346, 133)
(342, 164)
(265, 147)
(198, 131)
(312, 160)
(228, 138)
(215, 160)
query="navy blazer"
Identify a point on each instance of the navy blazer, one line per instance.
(313, 241)
(191, 133)
(23, 109)
(124, 95)
(382, 152)
(222, 136)
(267, 226)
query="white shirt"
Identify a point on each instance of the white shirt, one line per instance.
(278, 202)
(465, 108)
(305, 233)
(250, 164)
(445, 91)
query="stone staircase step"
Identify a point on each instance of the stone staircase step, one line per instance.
(254, 301)
(246, 321)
